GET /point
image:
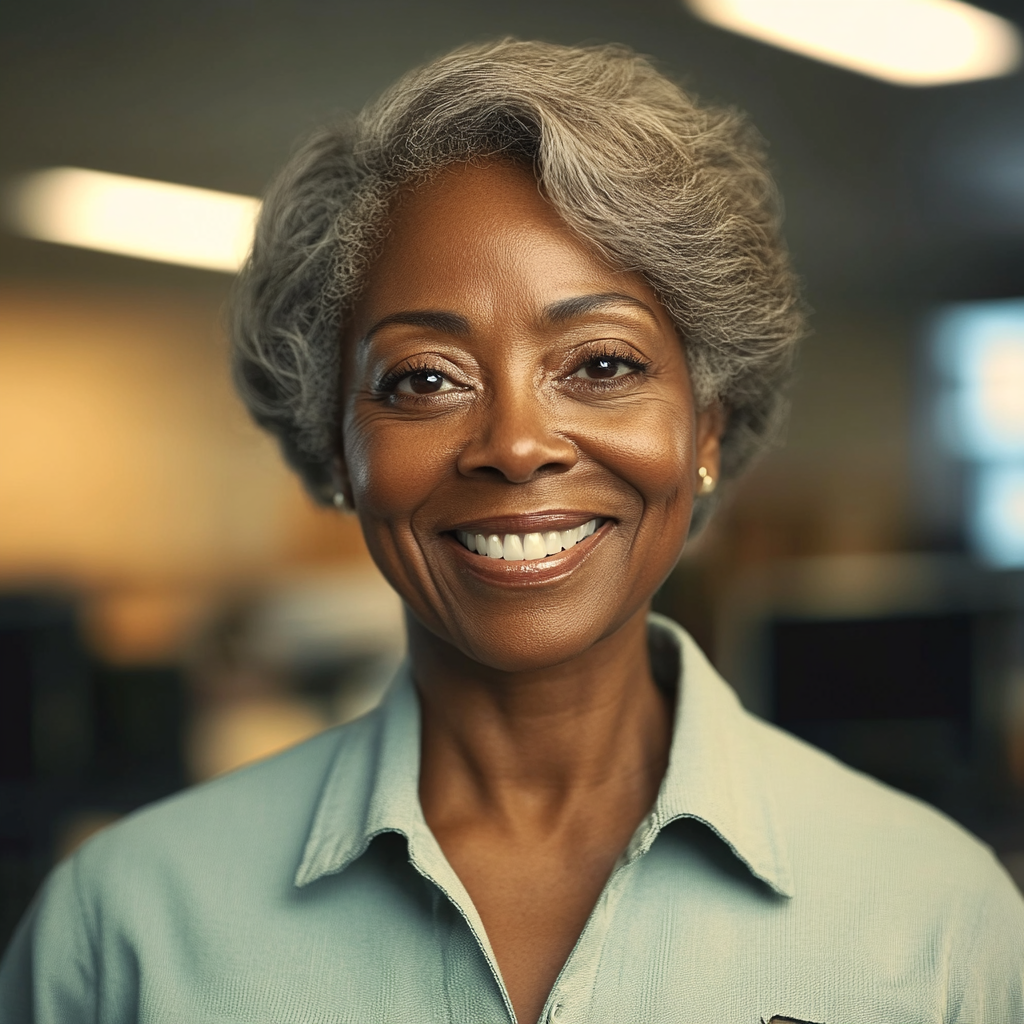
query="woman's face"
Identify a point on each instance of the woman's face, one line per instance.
(503, 386)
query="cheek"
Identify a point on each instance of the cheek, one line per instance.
(392, 469)
(650, 446)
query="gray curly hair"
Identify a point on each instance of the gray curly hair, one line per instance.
(673, 190)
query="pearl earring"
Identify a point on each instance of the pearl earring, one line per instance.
(339, 500)
(707, 481)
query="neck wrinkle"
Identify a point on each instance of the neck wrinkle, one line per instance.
(538, 745)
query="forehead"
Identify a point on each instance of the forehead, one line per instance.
(482, 235)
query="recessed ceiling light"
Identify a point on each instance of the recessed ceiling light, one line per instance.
(907, 42)
(152, 220)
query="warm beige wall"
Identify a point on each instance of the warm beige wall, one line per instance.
(126, 463)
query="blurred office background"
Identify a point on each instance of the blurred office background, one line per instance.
(171, 605)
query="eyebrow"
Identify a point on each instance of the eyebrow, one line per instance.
(570, 309)
(435, 319)
(557, 313)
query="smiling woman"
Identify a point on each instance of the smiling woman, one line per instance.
(520, 318)
(510, 384)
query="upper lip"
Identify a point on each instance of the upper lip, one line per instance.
(527, 522)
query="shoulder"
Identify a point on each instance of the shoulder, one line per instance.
(813, 789)
(873, 839)
(258, 816)
(900, 875)
(167, 882)
(847, 836)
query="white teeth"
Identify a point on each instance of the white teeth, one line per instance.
(512, 548)
(530, 547)
(533, 546)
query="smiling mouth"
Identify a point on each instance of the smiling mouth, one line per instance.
(526, 547)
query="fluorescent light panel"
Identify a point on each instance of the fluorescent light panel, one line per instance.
(151, 220)
(907, 42)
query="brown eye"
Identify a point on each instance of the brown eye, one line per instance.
(604, 368)
(424, 382)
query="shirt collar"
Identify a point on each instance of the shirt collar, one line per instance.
(371, 787)
(715, 775)
(716, 772)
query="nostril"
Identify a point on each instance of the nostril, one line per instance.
(488, 471)
(553, 469)
(517, 453)
(517, 474)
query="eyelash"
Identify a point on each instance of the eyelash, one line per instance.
(387, 384)
(612, 352)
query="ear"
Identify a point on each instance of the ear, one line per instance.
(707, 448)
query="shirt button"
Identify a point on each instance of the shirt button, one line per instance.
(555, 1013)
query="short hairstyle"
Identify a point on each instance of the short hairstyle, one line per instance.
(677, 191)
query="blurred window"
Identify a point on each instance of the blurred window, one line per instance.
(979, 352)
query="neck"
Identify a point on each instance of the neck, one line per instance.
(528, 748)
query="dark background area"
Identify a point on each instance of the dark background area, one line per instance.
(834, 588)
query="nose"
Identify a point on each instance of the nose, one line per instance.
(516, 440)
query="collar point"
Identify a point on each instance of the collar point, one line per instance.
(314, 867)
(779, 881)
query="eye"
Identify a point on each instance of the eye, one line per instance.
(423, 382)
(605, 368)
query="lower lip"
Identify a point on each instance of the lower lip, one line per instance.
(540, 570)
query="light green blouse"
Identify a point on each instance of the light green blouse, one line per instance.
(767, 880)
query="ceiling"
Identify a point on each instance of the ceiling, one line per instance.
(894, 196)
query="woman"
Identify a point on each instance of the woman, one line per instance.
(520, 318)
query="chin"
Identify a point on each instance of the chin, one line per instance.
(513, 645)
